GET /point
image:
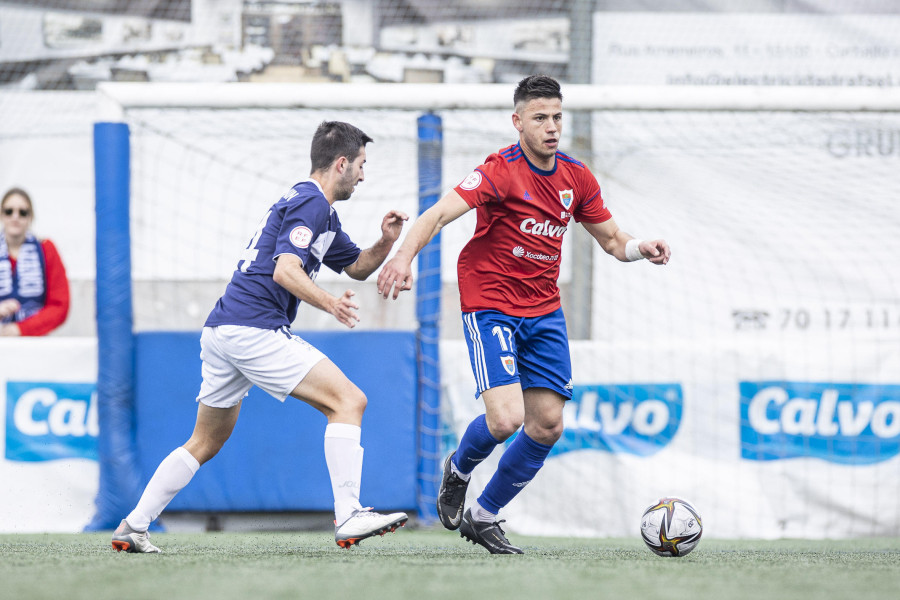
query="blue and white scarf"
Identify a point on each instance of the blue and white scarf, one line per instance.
(28, 285)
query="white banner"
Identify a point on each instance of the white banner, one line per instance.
(48, 434)
(746, 49)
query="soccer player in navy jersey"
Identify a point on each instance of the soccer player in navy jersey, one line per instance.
(525, 197)
(246, 340)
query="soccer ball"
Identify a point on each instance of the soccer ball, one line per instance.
(671, 527)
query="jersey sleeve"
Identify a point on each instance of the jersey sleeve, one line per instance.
(592, 208)
(487, 183)
(342, 253)
(301, 223)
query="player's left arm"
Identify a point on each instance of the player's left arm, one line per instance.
(371, 258)
(626, 248)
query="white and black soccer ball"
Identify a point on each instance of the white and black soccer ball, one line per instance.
(671, 527)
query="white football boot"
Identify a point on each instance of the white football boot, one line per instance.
(127, 539)
(364, 524)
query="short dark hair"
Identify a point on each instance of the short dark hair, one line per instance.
(536, 86)
(334, 139)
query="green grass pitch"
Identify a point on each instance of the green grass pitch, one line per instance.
(428, 563)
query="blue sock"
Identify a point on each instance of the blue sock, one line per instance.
(476, 444)
(518, 466)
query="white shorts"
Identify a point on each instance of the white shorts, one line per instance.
(235, 358)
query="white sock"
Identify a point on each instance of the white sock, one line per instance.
(460, 474)
(344, 457)
(173, 473)
(479, 513)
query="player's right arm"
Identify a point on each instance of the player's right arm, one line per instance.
(397, 272)
(290, 275)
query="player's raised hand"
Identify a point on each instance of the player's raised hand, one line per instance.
(344, 310)
(396, 274)
(392, 225)
(656, 251)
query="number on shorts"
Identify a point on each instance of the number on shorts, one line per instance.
(504, 345)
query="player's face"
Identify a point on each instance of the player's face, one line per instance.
(353, 174)
(15, 216)
(539, 122)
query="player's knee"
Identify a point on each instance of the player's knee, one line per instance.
(552, 433)
(360, 402)
(354, 403)
(545, 433)
(504, 426)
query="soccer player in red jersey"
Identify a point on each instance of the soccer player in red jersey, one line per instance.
(525, 197)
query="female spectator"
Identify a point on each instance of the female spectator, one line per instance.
(34, 290)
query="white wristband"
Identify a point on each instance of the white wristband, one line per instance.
(632, 250)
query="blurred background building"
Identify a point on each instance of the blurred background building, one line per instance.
(72, 44)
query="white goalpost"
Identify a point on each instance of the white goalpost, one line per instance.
(117, 97)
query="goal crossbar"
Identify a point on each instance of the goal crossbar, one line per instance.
(116, 97)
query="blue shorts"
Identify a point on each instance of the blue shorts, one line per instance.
(531, 351)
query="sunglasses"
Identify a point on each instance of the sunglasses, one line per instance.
(23, 212)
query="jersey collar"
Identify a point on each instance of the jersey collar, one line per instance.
(319, 187)
(534, 168)
(315, 183)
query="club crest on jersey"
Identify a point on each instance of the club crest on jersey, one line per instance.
(509, 364)
(566, 197)
(472, 181)
(301, 236)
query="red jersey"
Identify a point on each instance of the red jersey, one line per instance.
(511, 264)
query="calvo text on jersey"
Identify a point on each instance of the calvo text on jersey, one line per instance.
(548, 229)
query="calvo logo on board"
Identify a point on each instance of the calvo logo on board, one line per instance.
(847, 423)
(49, 421)
(636, 419)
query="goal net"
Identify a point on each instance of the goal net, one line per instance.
(760, 364)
